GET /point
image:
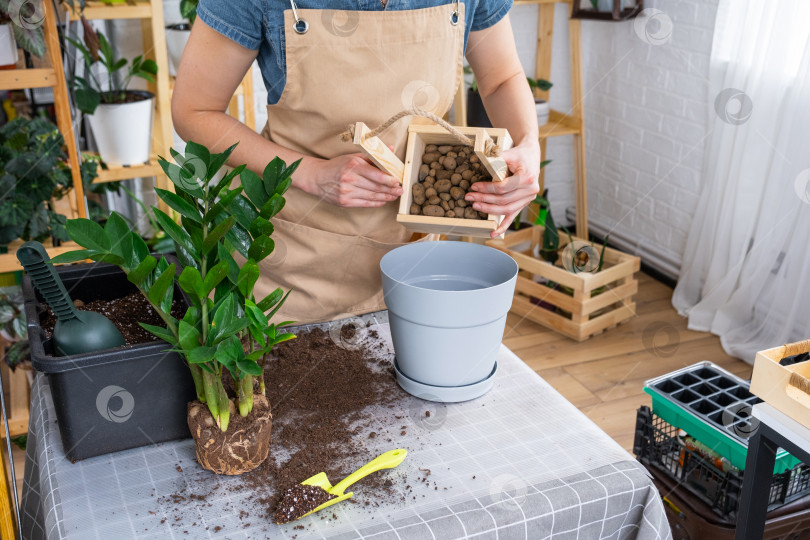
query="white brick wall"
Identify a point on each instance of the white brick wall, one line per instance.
(650, 101)
(646, 110)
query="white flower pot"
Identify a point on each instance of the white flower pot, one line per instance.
(123, 132)
(176, 39)
(542, 111)
(8, 46)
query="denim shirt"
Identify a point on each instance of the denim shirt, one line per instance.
(259, 25)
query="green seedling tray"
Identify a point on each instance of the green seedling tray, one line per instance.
(713, 406)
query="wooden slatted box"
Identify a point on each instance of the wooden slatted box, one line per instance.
(419, 136)
(785, 387)
(587, 311)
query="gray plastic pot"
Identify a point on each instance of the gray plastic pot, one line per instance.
(447, 305)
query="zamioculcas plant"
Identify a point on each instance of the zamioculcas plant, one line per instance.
(216, 222)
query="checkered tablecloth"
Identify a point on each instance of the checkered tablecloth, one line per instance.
(521, 462)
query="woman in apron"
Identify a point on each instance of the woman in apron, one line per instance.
(358, 60)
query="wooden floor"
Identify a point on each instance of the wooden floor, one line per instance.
(604, 375)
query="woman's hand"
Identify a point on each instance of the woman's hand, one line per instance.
(351, 181)
(510, 197)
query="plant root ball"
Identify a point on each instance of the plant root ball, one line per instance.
(242, 448)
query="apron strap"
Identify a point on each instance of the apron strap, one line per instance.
(301, 25)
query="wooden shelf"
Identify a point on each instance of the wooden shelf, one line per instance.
(121, 172)
(9, 262)
(17, 79)
(559, 124)
(132, 9)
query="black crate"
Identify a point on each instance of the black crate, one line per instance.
(658, 445)
(116, 399)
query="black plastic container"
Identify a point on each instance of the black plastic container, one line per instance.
(114, 399)
(657, 445)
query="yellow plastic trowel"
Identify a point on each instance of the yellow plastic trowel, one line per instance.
(388, 460)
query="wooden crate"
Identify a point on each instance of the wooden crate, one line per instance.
(18, 397)
(581, 314)
(784, 387)
(419, 136)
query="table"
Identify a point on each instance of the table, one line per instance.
(775, 430)
(519, 462)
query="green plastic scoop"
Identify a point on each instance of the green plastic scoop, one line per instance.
(76, 332)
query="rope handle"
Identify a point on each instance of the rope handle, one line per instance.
(491, 149)
(792, 349)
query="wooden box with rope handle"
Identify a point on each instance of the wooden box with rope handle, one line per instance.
(785, 387)
(487, 145)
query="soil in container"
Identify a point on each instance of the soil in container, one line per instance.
(125, 313)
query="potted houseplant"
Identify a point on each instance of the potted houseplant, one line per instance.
(33, 171)
(121, 119)
(8, 45)
(177, 34)
(225, 333)
(540, 104)
(29, 36)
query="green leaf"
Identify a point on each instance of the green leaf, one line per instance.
(235, 326)
(217, 233)
(271, 300)
(72, 256)
(254, 188)
(87, 100)
(199, 151)
(181, 178)
(272, 207)
(261, 248)
(218, 160)
(226, 180)
(244, 211)
(249, 367)
(157, 292)
(191, 282)
(256, 315)
(142, 271)
(215, 276)
(189, 336)
(248, 275)
(201, 355)
(160, 332)
(108, 258)
(222, 205)
(149, 66)
(261, 226)
(184, 208)
(222, 316)
(117, 232)
(284, 337)
(88, 234)
(273, 175)
(176, 232)
(278, 306)
(240, 239)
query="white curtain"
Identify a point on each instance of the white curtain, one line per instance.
(746, 270)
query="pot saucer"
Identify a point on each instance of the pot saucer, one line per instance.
(445, 394)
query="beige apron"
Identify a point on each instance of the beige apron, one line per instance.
(350, 66)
